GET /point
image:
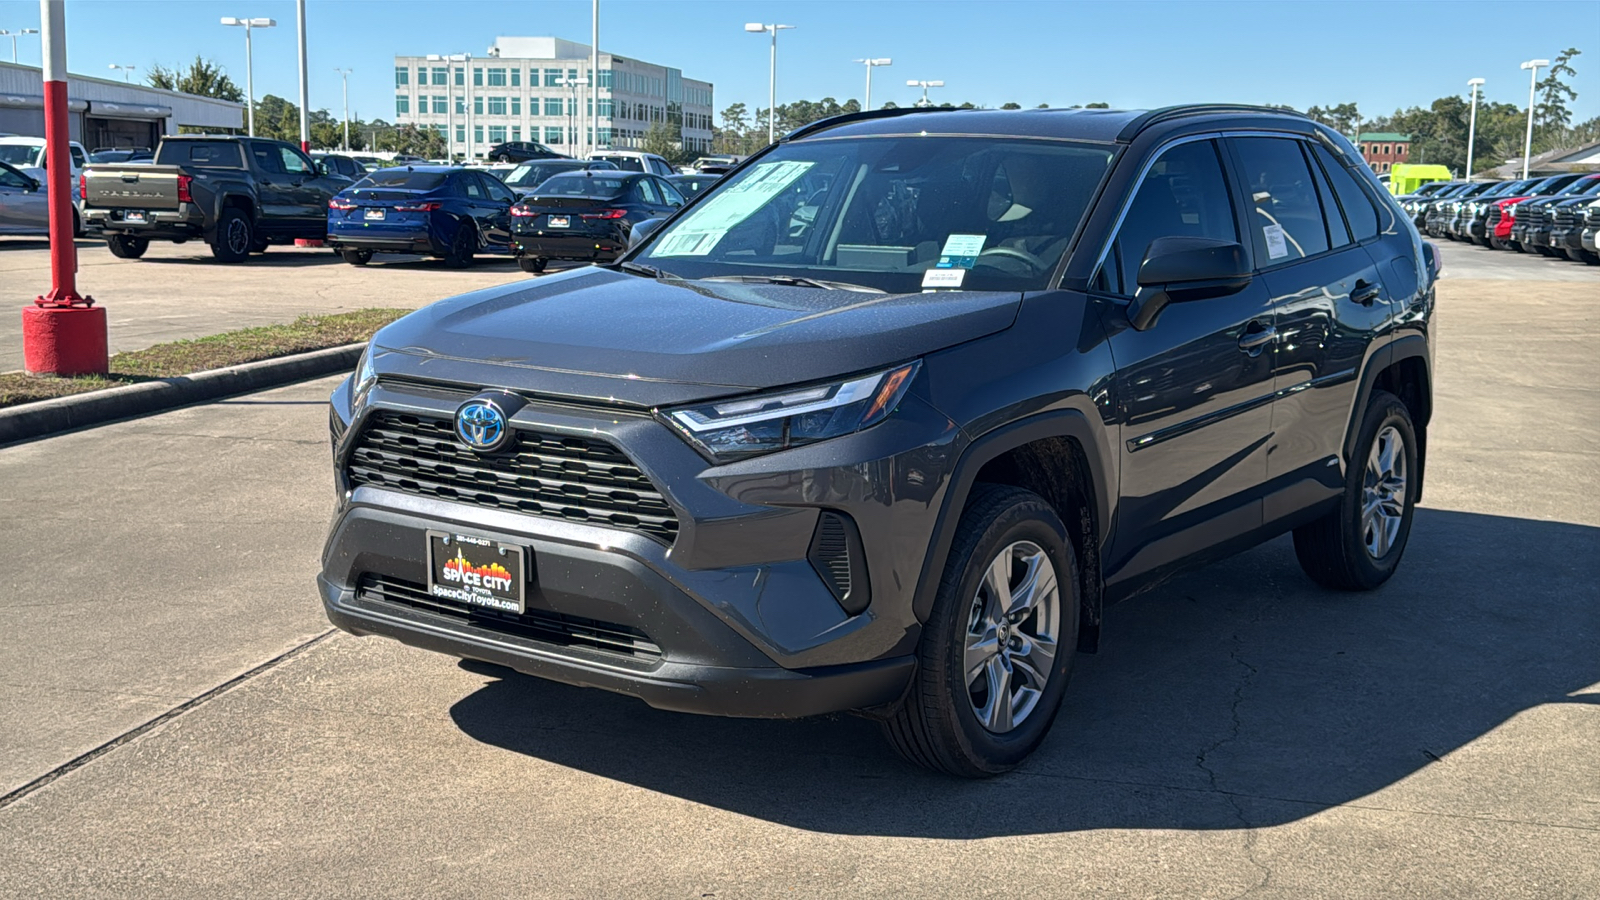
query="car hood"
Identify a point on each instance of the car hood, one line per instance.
(600, 335)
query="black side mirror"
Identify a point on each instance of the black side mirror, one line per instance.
(643, 230)
(1181, 269)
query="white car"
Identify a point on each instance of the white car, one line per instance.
(635, 161)
(27, 154)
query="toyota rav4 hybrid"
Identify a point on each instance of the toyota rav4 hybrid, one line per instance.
(885, 419)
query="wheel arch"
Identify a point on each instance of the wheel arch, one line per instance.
(1056, 456)
(1403, 369)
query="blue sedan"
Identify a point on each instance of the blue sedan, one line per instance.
(441, 211)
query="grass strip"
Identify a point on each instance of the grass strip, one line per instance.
(231, 348)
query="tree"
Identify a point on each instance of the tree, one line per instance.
(662, 140)
(1554, 93)
(203, 78)
(1097, 106)
(1344, 118)
(1042, 106)
(1010, 106)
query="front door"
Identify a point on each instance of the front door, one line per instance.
(1194, 390)
(23, 208)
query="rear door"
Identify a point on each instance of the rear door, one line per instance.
(1194, 390)
(1329, 301)
(496, 221)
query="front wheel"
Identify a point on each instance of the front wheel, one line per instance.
(127, 246)
(531, 264)
(997, 651)
(1357, 545)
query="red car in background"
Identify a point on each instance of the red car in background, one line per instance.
(1503, 216)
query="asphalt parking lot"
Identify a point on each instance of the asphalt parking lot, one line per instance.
(177, 720)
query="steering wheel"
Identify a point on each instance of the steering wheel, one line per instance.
(1038, 264)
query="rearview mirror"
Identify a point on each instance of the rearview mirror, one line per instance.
(1181, 269)
(643, 230)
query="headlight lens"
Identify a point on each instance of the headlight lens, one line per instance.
(366, 375)
(750, 426)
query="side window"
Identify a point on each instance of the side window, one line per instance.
(1338, 234)
(267, 158)
(498, 191)
(1358, 211)
(294, 163)
(12, 179)
(474, 188)
(670, 194)
(78, 159)
(1184, 194)
(1286, 219)
(647, 191)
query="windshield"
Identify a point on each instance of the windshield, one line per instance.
(629, 163)
(895, 213)
(402, 178)
(577, 184)
(531, 174)
(18, 154)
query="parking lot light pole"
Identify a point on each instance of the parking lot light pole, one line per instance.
(772, 76)
(1472, 124)
(125, 71)
(872, 64)
(924, 85)
(249, 64)
(1533, 65)
(344, 76)
(573, 124)
(13, 35)
(305, 80)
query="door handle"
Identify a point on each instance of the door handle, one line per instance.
(1252, 342)
(1365, 292)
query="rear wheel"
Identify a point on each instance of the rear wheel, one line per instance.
(531, 264)
(356, 257)
(1358, 544)
(462, 246)
(234, 237)
(127, 246)
(997, 651)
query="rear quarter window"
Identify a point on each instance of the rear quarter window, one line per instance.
(200, 153)
(1358, 210)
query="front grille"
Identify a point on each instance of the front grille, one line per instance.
(1592, 217)
(1564, 217)
(539, 625)
(1496, 213)
(577, 479)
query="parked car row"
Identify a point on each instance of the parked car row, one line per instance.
(1556, 215)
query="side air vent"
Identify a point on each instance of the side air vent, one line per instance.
(837, 556)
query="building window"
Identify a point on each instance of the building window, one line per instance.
(477, 105)
(477, 134)
(516, 133)
(604, 78)
(516, 106)
(552, 136)
(552, 77)
(461, 134)
(402, 76)
(497, 77)
(605, 107)
(572, 75)
(605, 137)
(402, 105)
(552, 106)
(497, 105)
(497, 134)
(441, 76)
(441, 105)
(461, 76)
(477, 76)
(516, 77)
(461, 106)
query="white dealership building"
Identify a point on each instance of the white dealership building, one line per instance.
(529, 89)
(106, 113)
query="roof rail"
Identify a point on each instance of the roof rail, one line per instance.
(1147, 119)
(863, 116)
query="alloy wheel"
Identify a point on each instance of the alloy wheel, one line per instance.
(1013, 630)
(238, 236)
(1383, 492)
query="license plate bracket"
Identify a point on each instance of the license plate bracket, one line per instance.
(477, 571)
(136, 216)
(560, 221)
(373, 214)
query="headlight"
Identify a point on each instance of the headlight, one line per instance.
(366, 376)
(749, 426)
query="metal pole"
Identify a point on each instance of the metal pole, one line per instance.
(449, 109)
(592, 136)
(467, 105)
(249, 79)
(867, 104)
(772, 90)
(344, 76)
(305, 87)
(1527, 143)
(1472, 126)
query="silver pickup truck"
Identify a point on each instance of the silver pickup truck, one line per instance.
(237, 194)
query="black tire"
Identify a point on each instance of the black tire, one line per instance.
(462, 247)
(260, 245)
(234, 238)
(1590, 257)
(356, 257)
(77, 224)
(531, 264)
(1334, 550)
(127, 246)
(936, 725)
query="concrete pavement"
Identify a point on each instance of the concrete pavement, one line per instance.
(1242, 733)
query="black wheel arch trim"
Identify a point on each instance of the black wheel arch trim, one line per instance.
(1411, 346)
(1066, 423)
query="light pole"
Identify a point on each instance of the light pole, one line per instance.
(344, 76)
(125, 71)
(249, 64)
(13, 36)
(449, 61)
(1533, 65)
(871, 64)
(772, 76)
(1472, 124)
(924, 85)
(574, 139)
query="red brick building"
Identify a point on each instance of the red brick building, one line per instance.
(1382, 149)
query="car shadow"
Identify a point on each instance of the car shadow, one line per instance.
(1240, 683)
(284, 258)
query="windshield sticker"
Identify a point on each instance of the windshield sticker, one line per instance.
(699, 234)
(1277, 247)
(961, 251)
(938, 278)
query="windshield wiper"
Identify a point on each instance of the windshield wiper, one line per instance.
(796, 281)
(646, 271)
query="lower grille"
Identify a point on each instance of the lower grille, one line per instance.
(539, 625)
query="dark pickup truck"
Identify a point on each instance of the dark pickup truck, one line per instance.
(236, 194)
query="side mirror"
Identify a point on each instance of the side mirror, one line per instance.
(643, 230)
(1181, 269)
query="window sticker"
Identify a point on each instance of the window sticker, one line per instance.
(938, 278)
(961, 251)
(1277, 247)
(698, 235)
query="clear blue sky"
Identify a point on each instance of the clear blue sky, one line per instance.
(1382, 55)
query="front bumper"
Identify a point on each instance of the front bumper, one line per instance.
(729, 618)
(1588, 238)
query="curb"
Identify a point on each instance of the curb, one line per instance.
(47, 417)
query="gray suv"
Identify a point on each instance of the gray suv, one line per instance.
(885, 419)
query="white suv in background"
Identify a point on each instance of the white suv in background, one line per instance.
(636, 161)
(27, 154)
